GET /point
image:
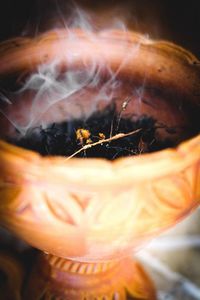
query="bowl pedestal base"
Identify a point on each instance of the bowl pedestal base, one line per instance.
(55, 278)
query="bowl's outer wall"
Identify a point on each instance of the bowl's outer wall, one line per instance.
(96, 209)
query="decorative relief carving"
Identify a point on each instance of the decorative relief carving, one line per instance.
(112, 280)
(56, 215)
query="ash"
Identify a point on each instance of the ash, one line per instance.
(68, 137)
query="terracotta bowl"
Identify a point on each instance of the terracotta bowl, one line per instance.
(95, 209)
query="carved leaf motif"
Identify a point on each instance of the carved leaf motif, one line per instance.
(67, 207)
(59, 211)
(166, 201)
(172, 194)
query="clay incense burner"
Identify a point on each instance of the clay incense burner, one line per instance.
(89, 215)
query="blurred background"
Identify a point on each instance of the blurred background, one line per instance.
(174, 258)
(175, 20)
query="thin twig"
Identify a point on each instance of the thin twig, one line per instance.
(124, 106)
(100, 142)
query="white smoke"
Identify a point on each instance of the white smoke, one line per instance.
(49, 85)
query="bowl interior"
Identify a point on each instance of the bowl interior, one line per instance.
(109, 102)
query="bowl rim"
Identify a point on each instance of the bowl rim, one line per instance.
(131, 169)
